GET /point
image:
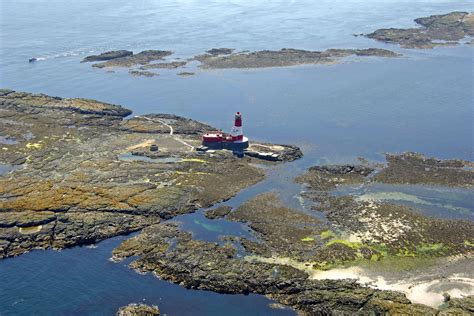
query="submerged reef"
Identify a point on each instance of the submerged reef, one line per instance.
(79, 177)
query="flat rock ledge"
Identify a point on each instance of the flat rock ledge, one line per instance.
(436, 30)
(284, 57)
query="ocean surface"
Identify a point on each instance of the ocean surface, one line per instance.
(366, 107)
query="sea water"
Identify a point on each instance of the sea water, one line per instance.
(366, 107)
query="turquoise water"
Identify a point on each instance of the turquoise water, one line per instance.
(436, 201)
(421, 102)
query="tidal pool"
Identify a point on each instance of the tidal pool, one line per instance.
(438, 201)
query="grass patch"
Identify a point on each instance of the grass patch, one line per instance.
(468, 243)
(428, 249)
(353, 245)
(327, 234)
(307, 239)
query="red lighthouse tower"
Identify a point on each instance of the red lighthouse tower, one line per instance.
(237, 132)
(236, 141)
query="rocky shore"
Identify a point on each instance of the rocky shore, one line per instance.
(292, 248)
(386, 229)
(435, 30)
(138, 310)
(174, 256)
(76, 180)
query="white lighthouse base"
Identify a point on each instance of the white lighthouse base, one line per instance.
(238, 145)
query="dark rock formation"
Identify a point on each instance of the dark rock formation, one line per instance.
(436, 30)
(284, 57)
(140, 73)
(108, 55)
(23, 100)
(141, 58)
(170, 65)
(185, 73)
(218, 212)
(174, 256)
(138, 310)
(413, 168)
(220, 51)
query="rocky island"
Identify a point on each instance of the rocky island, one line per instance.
(82, 175)
(85, 173)
(284, 58)
(435, 30)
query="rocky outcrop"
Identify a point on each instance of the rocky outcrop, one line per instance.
(138, 310)
(284, 57)
(142, 58)
(75, 186)
(388, 228)
(285, 232)
(140, 73)
(413, 168)
(108, 55)
(458, 306)
(172, 255)
(170, 65)
(160, 123)
(220, 51)
(436, 30)
(23, 101)
(218, 212)
(185, 73)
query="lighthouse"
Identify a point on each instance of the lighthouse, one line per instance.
(235, 141)
(237, 132)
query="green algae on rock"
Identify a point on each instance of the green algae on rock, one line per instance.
(386, 229)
